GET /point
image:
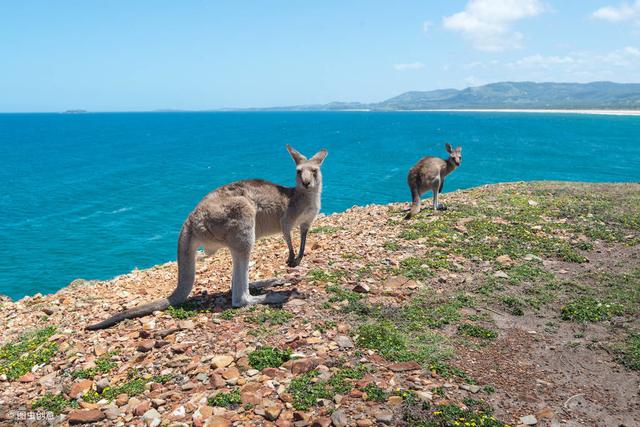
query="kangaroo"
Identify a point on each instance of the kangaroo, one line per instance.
(428, 174)
(235, 216)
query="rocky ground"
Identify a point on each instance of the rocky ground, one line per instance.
(517, 305)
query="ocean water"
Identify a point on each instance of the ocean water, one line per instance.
(96, 195)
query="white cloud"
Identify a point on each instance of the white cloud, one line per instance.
(623, 12)
(409, 66)
(620, 65)
(487, 23)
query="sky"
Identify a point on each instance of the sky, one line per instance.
(141, 55)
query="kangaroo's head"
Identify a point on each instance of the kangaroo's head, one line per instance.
(308, 174)
(455, 155)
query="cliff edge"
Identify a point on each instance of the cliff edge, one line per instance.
(517, 305)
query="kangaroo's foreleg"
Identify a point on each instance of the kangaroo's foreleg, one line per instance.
(415, 203)
(304, 229)
(286, 232)
(434, 190)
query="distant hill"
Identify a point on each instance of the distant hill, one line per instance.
(505, 95)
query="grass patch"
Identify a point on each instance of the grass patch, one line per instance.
(588, 309)
(631, 352)
(325, 229)
(268, 357)
(415, 268)
(306, 389)
(433, 312)
(447, 371)
(391, 245)
(422, 415)
(228, 314)
(513, 305)
(477, 331)
(271, 316)
(33, 348)
(226, 400)
(134, 386)
(186, 310)
(375, 393)
(319, 275)
(103, 364)
(53, 403)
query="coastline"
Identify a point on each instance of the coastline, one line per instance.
(539, 111)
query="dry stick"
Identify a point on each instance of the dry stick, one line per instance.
(564, 405)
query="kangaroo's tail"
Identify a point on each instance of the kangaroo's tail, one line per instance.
(186, 277)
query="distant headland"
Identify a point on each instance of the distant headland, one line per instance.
(515, 96)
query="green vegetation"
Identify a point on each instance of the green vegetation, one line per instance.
(390, 342)
(631, 352)
(513, 304)
(415, 268)
(325, 229)
(319, 275)
(588, 309)
(226, 400)
(306, 389)
(271, 316)
(103, 365)
(33, 348)
(449, 371)
(186, 310)
(476, 331)
(268, 357)
(391, 245)
(53, 403)
(228, 314)
(134, 386)
(427, 309)
(375, 393)
(449, 416)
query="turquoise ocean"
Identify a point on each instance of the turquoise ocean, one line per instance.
(96, 195)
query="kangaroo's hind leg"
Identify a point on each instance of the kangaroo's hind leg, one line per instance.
(240, 295)
(441, 206)
(415, 203)
(434, 189)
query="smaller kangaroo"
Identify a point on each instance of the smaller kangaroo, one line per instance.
(235, 216)
(428, 174)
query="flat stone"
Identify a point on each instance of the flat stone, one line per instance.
(339, 418)
(231, 373)
(470, 387)
(361, 288)
(384, 416)
(152, 418)
(301, 366)
(529, 420)
(344, 341)
(364, 422)
(27, 378)
(85, 416)
(217, 421)
(141, 408)
(80, 388)
(325, 422)
(221, 361)
(501, 274)
(145, 345)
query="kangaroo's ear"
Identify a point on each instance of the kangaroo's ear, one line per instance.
(297, 157)
(459, 149)
(448, 147)
(319, 156)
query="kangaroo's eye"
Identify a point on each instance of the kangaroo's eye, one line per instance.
(299, 173)
(315, 173)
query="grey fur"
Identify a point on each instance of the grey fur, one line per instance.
(235, 216)
(428, 174)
